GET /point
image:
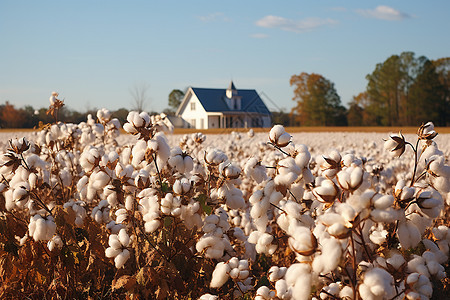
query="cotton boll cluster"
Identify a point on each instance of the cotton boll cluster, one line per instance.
(181, 186)
(117, 249)
(41, 228)
(264, 293)
(136, 121)
(377, 284)
(214, 242)
(288, 172)
(427, 265)
(331, 164)
(279, 137)
(171, 205)
(442, 236)
(263, 242)
(161, 123)
(255, 170)
(237, 270)
(430, 203)
(55, 243)
(408, 234)
(214, 157)
(100, 213)
(150, 209)
(233, 197)
(179, 160)
(395, 145)
(295, 283)
(78, 210)
(419, 287)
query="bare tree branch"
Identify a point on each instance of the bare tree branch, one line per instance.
(140, 97)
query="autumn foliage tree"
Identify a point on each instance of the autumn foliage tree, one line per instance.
(318, 103)
(11, 117)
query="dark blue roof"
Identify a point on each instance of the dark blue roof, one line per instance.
(213, 100)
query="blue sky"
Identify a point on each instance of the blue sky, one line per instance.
(94, 52)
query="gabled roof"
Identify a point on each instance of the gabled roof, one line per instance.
(213, 100)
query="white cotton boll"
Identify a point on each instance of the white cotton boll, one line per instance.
(124, 238)
(234, 273)
(346, 293)
(219, 275)
(344, 179)
(276, 273)
(283, 290)
(99, 179)
(152, 225)
(66, 177)
(243, 274)
(128, 127)
(121, 258)
(383, 202)
(388, 215)
(417, 264)
(114, 242)
(129, 202)
(233, 262)
(208, 297)
(111, 252)
(442, 184)
(145, 117)
(396, 261)
(408, 235)
(379, 282)
(9, 202)
(279, 136)
(263, 293)
(254, 236)
(32, 179)
(330, 257)
(213, 219)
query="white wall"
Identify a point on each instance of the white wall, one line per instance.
(198, 114)
(213, 122)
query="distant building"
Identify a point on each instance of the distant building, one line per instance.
(204, 108)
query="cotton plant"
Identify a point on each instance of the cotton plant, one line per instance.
(226, 217)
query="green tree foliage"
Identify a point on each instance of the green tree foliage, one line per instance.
(318, 103)
(175, 98)
(442, 66)
(404, 90)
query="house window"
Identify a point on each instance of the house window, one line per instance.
(193, 123)
(192, 105)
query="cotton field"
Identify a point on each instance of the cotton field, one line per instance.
(87, 212)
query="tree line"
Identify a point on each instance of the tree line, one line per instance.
(404, 90)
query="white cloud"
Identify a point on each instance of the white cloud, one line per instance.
(214, 17)
(384, 12)
(297, 26)
(259, 36)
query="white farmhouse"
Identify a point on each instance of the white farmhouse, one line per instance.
(204, 108)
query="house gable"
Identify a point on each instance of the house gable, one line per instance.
(213, 108)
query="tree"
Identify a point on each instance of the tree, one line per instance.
(318, 103)
(10, 117)
(175, 98)
(389, 90)
(427, 97)
(442, 66)
(139, 94)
